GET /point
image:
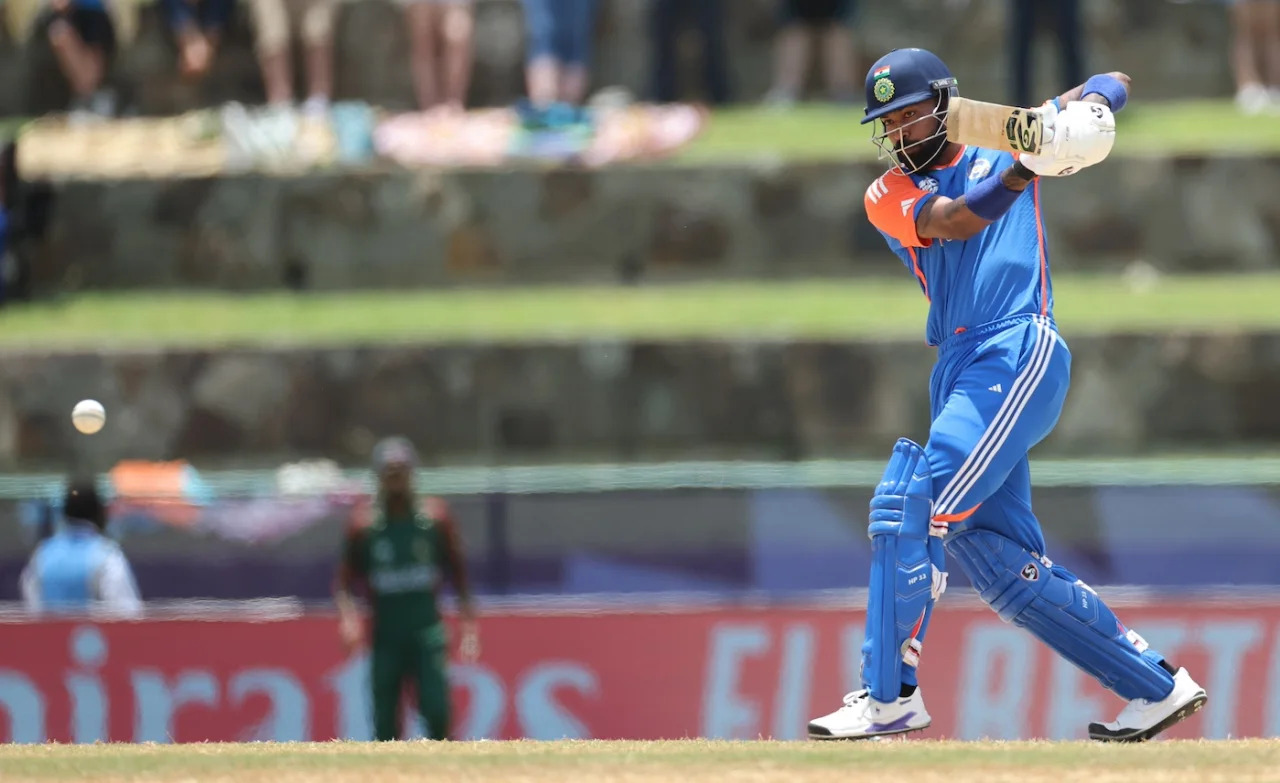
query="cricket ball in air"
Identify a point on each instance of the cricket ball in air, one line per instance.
(88, 416)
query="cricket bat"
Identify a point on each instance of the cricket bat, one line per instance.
(995, 127)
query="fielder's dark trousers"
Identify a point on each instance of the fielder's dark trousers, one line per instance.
(1060, 18)
(397, 661)
(667, 20)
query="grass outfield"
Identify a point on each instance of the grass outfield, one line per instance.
(864, 309)
(689, 760)
(825, 132)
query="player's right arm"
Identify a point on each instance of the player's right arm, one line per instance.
(915, 217)
(351, 568)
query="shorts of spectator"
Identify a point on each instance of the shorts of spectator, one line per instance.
(440, 50)
(560, 34)
(816, 12)
(809, 25)
(275, 23)
(79, 38)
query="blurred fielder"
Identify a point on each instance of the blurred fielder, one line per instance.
(401, 556)
(967, 222)
(79, 569)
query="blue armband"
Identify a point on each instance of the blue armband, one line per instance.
(1108, 87)
(991, 198)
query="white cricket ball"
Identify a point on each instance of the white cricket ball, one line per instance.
(89, 416)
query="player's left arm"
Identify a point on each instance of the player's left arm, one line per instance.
(1083, 126)
(1110, 89)
(455, 564)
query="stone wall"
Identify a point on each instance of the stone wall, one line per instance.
(1172, 50)
(607, 401)
(397, 229)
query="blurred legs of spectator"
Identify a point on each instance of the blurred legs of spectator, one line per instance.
(82, 39)
(273, 20)
(667, 19)
(1255, 53)
(197, 27)
(440, 36)
(1025, 16)
(559, 50)
(826, 23)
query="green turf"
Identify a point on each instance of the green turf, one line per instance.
(827, 132)
(689, 760)
(866, 309)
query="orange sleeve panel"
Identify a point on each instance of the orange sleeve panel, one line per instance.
(892, 203)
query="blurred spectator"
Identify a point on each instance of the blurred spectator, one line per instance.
(1255, 53)
(440, 34)
(276, 21)
(806, 23)
(1026, 16)
(668, 21)
(559, 52)
(197, 27)
(78, 569)
(82, 38)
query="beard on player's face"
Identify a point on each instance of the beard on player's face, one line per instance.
(920, 141)
(915, 155)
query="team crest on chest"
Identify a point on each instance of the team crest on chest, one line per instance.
(928, 184)
(382, 551)
(981, 168)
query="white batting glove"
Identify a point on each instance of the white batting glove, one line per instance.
(1079, 136)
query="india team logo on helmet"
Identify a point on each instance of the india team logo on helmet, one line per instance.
(884, 90)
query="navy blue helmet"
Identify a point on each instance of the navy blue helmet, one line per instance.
(906, 76)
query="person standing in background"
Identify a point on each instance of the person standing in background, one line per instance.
(557, 69)
(1255, 54)
(667, 21)
(806, 25)
(1025, 18)
(79, 569)
(401, 557)
(440, 50)
(276, 22)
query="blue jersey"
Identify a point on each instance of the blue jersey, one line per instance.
(999, 272)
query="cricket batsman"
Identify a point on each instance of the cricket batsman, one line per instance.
(967, 223)
(400, 557)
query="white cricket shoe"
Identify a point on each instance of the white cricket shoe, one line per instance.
(862, 717)
(1141, 720)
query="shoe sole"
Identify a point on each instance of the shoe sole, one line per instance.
(830, 738)
(1099, 733)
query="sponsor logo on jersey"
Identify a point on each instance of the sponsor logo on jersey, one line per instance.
(388, 581)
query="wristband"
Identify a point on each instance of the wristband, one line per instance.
(1108, 87)
(991, 198)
